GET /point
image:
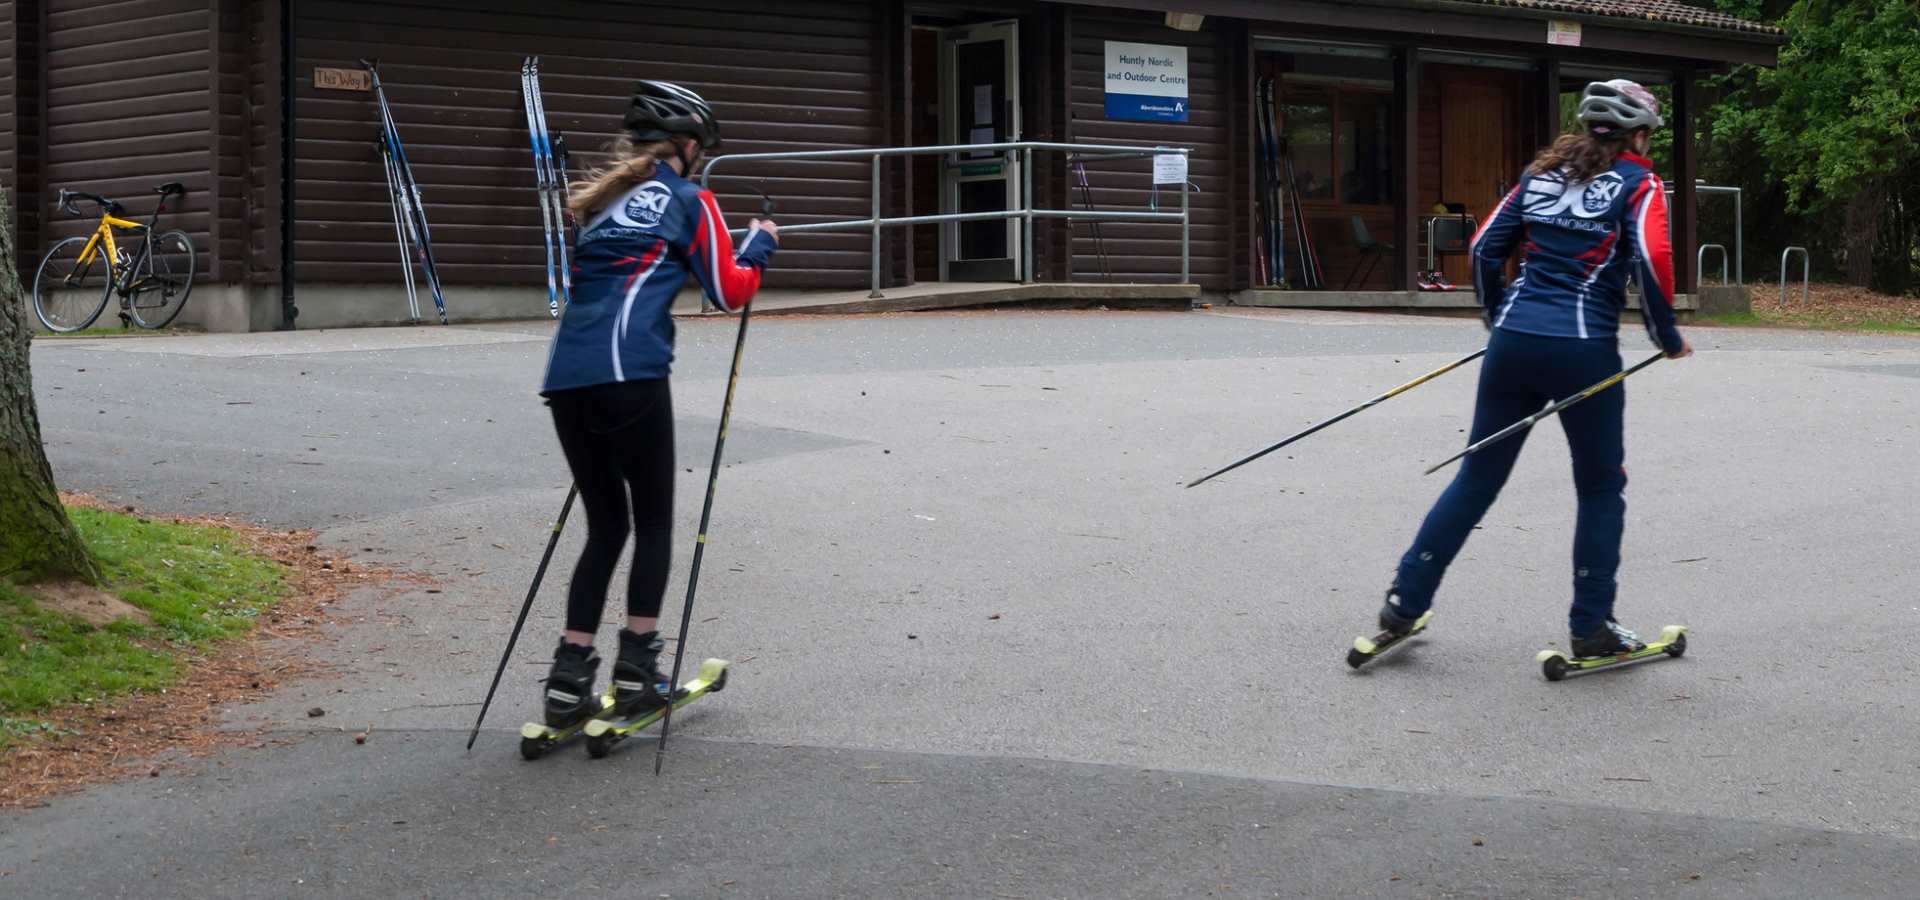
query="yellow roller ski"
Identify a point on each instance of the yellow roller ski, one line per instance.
(536, 738)
(1556, 664)
(602, 734)
(1366, 649)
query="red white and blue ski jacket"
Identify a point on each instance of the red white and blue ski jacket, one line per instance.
(1582, 241)
(629, 262)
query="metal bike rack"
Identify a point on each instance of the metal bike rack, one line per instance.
(1805, 272)
(1700, 261)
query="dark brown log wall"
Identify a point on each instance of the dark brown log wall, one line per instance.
(795, 75)
(128, 100)
(9, 110)
(1150, 252)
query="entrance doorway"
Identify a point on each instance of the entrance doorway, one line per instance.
(977, 102)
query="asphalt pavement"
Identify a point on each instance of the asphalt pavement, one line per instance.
(986, 643)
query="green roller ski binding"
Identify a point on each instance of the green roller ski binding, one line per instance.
(603, 733)
(1557, 664)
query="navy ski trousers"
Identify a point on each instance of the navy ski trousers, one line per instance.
(1520, 374)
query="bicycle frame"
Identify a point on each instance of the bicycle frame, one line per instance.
(103, 235)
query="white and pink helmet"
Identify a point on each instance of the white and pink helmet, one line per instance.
(1615, 108)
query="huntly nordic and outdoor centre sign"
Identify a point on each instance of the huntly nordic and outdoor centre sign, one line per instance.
(1146, 82)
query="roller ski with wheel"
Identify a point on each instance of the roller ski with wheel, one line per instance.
(1394, 631)
(1624, 649)
(536, 738)
(603, 733)
(569, 701)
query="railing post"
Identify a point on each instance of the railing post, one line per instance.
(1739, 242)
(875, 293)
(1026, 208)
(1186, 225)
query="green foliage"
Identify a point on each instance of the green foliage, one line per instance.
(1832, 129)
(1843, 107)
(197, 583)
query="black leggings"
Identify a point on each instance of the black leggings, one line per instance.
(618, 439)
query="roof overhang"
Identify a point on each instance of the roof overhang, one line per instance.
(1421, 21)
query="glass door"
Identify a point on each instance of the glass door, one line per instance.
(980, 93)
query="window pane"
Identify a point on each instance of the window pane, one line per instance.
(1307, 118)
(1366, 163)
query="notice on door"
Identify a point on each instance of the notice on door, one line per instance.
(1146, 82)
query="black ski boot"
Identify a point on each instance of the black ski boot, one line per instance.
(570, 699)
(1609, 640)
(638, 686)
(1392, 621)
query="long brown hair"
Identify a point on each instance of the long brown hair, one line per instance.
(628, 165)
(1582, 155)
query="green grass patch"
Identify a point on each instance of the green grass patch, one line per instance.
(1887, 321)
(108, 331)
(199, 584)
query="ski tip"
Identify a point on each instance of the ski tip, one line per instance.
(1670, 632)
(1366, 645)
(1545, 655)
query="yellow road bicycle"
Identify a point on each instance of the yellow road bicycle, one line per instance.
(152, 274)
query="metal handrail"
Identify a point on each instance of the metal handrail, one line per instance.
(1700, 262)
(1806, 271)
(1026, 213)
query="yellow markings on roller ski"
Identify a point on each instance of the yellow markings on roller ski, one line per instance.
(701, 539)
(1365, 646)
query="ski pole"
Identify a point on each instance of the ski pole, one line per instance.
(1351, 412)
(1528, 422)
(533, 590)
(706, 515)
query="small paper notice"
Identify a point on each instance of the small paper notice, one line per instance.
(980, 136)
(1564, 33)
(1170, 168)
(983, 104)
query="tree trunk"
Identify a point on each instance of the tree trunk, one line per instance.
(1863, 231)
(37, 541)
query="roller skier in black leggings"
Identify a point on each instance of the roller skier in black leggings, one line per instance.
(644, 230)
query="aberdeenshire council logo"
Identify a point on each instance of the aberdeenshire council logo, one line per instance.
(645, 207)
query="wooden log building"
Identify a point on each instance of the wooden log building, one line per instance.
(1388, 108)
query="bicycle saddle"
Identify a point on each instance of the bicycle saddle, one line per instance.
(171, 187)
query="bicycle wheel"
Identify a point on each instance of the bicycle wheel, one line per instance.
(161, 288)
(67, 294)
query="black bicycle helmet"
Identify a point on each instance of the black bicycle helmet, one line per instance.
(662, 110)
(1612, 109)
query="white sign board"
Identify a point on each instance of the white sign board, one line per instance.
(1566, 34)
(1170, 168)
(1146, 82)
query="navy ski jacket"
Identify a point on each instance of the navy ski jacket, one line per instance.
(1582, 241)
(629, 262)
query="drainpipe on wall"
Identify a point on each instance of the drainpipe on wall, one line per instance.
(288, 311)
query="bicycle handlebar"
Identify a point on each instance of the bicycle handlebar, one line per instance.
(109, 206)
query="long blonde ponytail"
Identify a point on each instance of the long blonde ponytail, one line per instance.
(628, 165)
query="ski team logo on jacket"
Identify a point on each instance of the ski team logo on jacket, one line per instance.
(1550, 198)
(645, 207)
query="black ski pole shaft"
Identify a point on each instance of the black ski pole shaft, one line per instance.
(1350, 413)
(706, 516)
(1529, 421)
(539, 574)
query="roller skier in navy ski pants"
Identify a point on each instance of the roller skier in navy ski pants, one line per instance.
(1588, 215)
